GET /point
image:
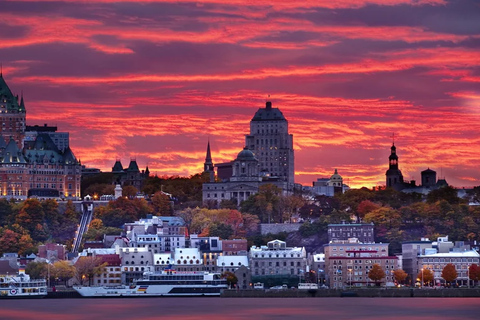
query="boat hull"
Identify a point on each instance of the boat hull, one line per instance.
(150, 291)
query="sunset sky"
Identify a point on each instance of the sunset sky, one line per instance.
(154, 80)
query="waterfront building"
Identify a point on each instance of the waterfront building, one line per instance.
(187, 259)
(348, 263)
(435, 262)
(210, 248)
(277, 259)
(434, 255)
(317, 265)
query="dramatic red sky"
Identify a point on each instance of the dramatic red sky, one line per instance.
(154, 80)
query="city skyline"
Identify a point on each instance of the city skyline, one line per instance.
(155, 80)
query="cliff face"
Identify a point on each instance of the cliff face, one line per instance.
(312, 244)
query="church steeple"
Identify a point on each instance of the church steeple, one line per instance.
(394, 175)
(208, 164)
(393, 158)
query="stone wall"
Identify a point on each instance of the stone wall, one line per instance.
(274, 228)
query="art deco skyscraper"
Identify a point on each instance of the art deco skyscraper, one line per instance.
(272, 144)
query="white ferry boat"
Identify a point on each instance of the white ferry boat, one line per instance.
(166, 283)
(21, 286)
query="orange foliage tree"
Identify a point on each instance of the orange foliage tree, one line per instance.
(427, 276)
(376, 274)
(400, 275)
(449, 273)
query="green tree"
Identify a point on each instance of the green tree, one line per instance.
(222, 230)
(36, 270)
(446, 193)
(6, 212)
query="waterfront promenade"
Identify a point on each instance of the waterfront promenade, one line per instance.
(242, 308)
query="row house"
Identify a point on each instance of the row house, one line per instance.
(348, 262)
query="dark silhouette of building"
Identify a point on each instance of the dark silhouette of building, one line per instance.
(131, 176)
(208, 165)
(394, 175)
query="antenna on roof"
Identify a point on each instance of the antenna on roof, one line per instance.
(393, 138)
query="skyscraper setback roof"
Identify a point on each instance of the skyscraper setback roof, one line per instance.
(268, 113)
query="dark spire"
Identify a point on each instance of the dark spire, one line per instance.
(208, 157)
(208, 165)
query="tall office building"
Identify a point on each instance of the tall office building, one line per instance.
(272, 144)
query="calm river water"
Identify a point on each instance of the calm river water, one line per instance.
(242, 308)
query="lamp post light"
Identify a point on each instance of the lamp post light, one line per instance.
(468, 276)
(422, 278)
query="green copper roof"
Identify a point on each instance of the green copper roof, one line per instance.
(8, 102)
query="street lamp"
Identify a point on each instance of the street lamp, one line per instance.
(422, 278)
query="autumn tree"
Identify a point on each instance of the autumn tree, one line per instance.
(32, 217)
(86, 268)
(365, 207)
(63, 270)
(231, 278)
(400, 275)
(121, 211)
(162, 205)
(351, 199)
(427, 276)
(474, 273)
(290, 205)
(449, 273)
(130, 192)
(376, 274)
(15, 241)
(264, 204)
